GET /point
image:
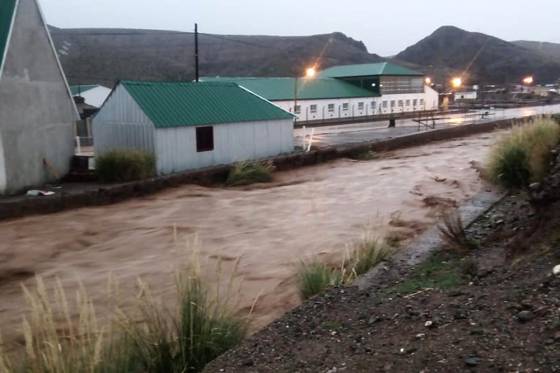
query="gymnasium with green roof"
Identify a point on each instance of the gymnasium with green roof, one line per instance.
(345, 92)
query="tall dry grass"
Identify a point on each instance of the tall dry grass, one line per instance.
(524, 155)
(63, 334)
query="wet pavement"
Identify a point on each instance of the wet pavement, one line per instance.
(378, 131)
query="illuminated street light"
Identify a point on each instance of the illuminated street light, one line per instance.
(528, 80)
(428, 80)
(310, 72)
(456, 82)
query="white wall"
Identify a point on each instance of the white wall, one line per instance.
(37, 113)
(424, 101)
(96, 96)
(121, 124)
(233, 142)
(470, 95)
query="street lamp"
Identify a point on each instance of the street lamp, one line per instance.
(456, 82)
(310, 73)
(528, 80)
(428, 80)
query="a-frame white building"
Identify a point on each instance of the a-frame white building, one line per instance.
(37, 112)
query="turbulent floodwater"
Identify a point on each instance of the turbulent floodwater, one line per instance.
(309, 212)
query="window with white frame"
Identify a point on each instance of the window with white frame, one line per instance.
(421, 102)
(415, 102)
(400, 103)
(373, 105)
(297, 109)
(345, 107)
(393, 103)
(385, 104)
(360, 106)
(407, 103)
(331, 108)
(313, 109)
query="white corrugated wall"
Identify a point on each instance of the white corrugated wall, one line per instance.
(121, 124)
(233, 142)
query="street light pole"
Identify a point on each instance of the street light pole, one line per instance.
(295, 96)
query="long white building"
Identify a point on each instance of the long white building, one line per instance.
(345, 92)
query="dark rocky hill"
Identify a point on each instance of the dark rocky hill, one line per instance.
(486, 59)
(551, 50)
(106, 55)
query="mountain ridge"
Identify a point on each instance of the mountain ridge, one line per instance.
(482, 58)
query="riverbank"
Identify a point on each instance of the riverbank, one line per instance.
(496, 309)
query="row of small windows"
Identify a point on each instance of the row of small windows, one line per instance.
(361, 105)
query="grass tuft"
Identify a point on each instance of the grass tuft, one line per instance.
(245, 173)
(316, 277)
(523, 156)
(367, 254)
(364, 155)
(124, 165)
(452, 233)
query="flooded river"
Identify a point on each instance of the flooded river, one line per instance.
(305, 213)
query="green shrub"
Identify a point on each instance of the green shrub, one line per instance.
(245, 173)
(523, 156)
(315, 278)
(124, 165)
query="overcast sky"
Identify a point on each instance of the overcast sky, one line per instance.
(386, 27)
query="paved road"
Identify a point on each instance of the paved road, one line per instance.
(372, 131)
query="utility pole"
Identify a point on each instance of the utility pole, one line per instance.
(196, 70)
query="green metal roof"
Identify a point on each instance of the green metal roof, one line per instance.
(7, 8)
(76, 89)
(370, 69)
(177, 104)
(280, 89)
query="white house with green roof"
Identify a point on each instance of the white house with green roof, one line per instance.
(37, 112)
(192, 125)
(344, 92)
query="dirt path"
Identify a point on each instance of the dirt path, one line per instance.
(307, 212)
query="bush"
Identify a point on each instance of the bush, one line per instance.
(124, 165)
(245, 173)
(523, 156)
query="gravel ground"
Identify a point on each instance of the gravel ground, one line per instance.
(495, 310)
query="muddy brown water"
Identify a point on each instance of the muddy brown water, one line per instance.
(306, 213)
